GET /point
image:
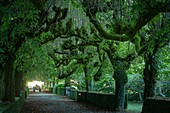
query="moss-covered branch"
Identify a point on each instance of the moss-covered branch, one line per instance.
(106, 35)
(147, 16)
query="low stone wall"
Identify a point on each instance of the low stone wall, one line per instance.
(14, 107)
(98, 99)
(101, 99)
(156, 106)
(77, 95)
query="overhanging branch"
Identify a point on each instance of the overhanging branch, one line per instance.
(147, 16)
(106, 35)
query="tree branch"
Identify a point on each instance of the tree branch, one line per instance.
(106, 35)
(67, 75)
(143, 19)
(147, 16)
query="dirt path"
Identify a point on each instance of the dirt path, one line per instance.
(52, 103)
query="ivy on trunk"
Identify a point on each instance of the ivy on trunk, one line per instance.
(120, 83)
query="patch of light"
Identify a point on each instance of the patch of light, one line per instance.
(33, 83)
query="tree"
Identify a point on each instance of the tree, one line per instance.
(13, 30)
(21, 21)
(123, 31)
(150, 55)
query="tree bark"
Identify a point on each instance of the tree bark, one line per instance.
(150, 75)
(120, 82)
(86, 79)
(87, 83)
(149, 79)
(18, 83)
(9, 81)
(1, 82)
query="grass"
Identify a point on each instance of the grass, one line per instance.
(135, 107)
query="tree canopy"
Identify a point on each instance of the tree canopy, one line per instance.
(92, 42)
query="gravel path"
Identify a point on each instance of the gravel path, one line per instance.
(52, 103)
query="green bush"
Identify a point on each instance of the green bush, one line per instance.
(55, 88)
(14, 107)
(50, 89)
(27, 91)
(61, 91)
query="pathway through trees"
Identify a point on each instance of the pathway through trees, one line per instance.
(52, 103)
(41, 102)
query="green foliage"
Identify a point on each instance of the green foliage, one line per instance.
(137, 42)
(124, 49)
(21, 17)
(163, 71)
(35, 61)
(84, 48)
(18, 20)
(39, 4)
(45, 36)
(106, 82)
(135, 74)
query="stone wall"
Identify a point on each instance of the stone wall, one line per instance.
(156, 105)
(104, 100)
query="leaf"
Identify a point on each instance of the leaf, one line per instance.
(1, 50)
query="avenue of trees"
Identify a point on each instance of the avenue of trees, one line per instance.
(115, 46)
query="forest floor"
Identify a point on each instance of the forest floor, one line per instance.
(51, 103)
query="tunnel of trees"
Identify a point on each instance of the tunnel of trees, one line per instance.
(115, 46)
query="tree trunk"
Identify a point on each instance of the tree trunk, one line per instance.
(150, 75)
(53, 83)
(92, 84)
(18, 83)
(9, 81)
(87, 83)
(120, 82)
(150, 81)
(86, 79)
(140, 96)
(1, 82)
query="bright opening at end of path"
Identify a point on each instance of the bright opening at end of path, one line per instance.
(34, 83)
